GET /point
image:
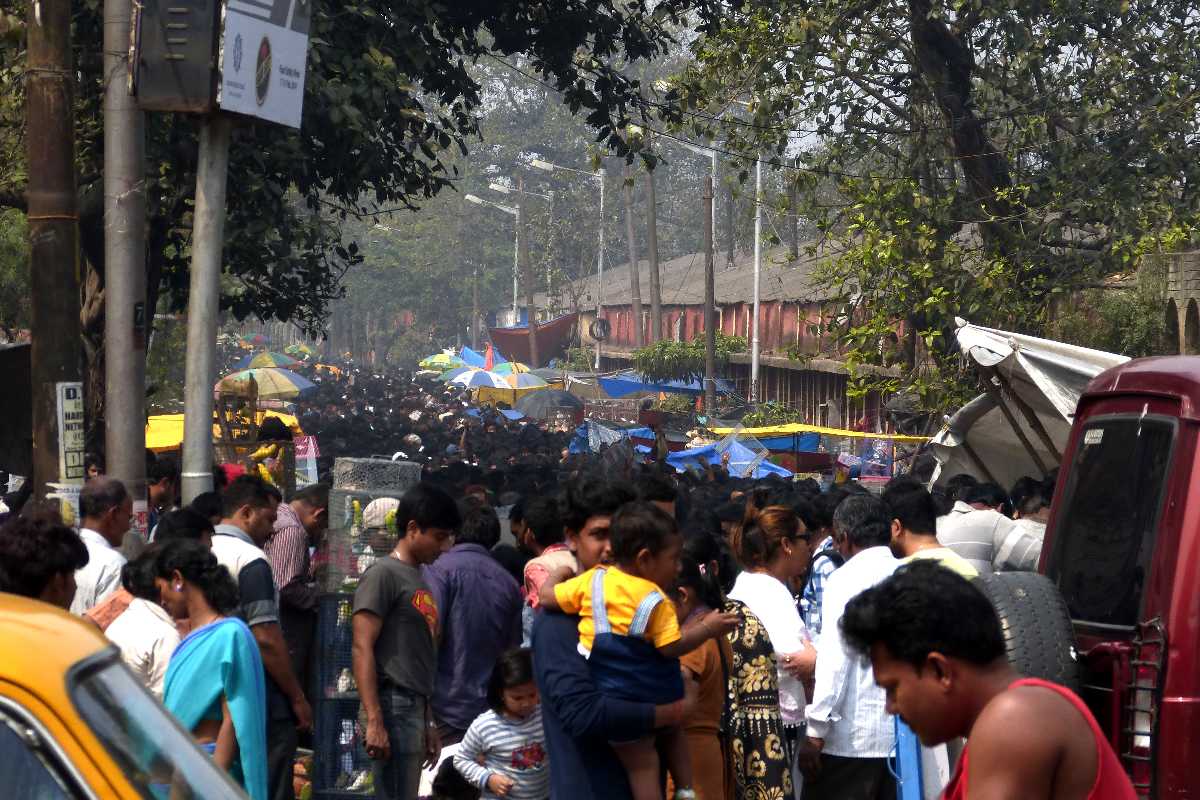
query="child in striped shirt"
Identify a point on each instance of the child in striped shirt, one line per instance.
(504, 750)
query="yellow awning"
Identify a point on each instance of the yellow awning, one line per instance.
(799, 427)
(165, 431)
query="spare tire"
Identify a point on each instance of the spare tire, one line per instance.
(1036, 626)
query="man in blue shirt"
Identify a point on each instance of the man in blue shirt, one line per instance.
(479, 604)
(580, 721)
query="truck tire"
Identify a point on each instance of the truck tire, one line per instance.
(1035, 624)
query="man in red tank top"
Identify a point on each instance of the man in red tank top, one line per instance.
(937, 651)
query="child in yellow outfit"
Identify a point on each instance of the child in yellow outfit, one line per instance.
(630, 634)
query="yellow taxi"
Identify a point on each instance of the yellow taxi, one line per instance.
(76, 723)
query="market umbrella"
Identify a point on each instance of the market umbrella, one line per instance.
(480, 378)
(510, 368)
(543, 404)
(255, 339)
(274, 383)
(525, 380)
(300, 350)
(265, 359)
(441, 361)
(454, 372)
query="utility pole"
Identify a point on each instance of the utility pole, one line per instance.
(710, 321)
(793, 218)
(125, 314)
(758, 198)
(656, 326)
(55, 357)
(475, 308)
(600, 265)
(527, 272)
(208, 240)
(635, 278)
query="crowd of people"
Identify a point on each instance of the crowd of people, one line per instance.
(642, 633)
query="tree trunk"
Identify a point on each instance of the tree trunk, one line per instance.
(730, 223)
(635, 279)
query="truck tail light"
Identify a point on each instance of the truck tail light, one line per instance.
(1143, 697)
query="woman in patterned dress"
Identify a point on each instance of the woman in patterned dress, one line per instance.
(761, 761)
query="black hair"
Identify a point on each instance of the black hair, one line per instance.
(274, 429)
(863, 518)
(185, 523)
(544, 522)
(245, 490)
(33, 549)
(988, 494)
(99, 495)
(138, 576)
(701, 569)
(587, 497)
(911, 503)
(480, 526)
(199, 567)
(517, 512)
(429, 507)
(163, 466)
(921, 609)
(730, 512)
(316, 495)
(656, 488)
(958, 485)
(638, 526)
(514, 668)
(208, 505)
(513, 559)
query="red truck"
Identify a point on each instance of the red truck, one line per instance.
(1123, 549)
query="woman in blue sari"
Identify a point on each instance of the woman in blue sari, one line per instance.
(215, 684)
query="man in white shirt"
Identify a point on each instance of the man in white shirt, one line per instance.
(106, 508)
(145, 632)
(990, 541)
(850, 734)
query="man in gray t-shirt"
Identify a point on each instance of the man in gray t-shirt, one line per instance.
(406, 650)
(395, 627)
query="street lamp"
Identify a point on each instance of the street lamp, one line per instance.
(516, 214)
(597, 176)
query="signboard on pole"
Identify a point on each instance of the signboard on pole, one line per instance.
(264, 50)
(70, 431)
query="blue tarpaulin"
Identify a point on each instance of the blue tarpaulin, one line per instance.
(471, 358)
(629, 382)
(511, 414)
(740, 459)
(795, 442)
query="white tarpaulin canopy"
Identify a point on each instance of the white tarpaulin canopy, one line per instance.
(1039, 382)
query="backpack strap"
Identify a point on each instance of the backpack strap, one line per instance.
(599, 609)
(833, 555)
(641, 617)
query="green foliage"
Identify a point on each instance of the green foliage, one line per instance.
(1129, 322)
(668, 360)
(14, 273)
(580, 359)
(973, 159)
(165, 361)
(676, 404)
(767, 414)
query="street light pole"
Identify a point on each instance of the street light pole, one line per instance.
(754, 346)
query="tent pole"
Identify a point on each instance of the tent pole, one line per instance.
(994, 393)
(1030, 416)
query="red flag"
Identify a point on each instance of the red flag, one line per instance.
(489, 357)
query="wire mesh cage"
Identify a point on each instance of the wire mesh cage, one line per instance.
(362, 502)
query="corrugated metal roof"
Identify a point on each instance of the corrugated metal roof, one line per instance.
(682, 280)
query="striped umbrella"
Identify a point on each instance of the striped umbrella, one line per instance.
(510, 368)
(454, 372)
(265, 359)
(479, 378)
(274, 383)
(300, 350)
(440, 361)
(525, 380)
(255, 339)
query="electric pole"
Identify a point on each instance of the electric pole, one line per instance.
(55, 356)
(527, 274)
(656, 326)
(635, 278)
(208, 240)
(710, 316)
(125, 312)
